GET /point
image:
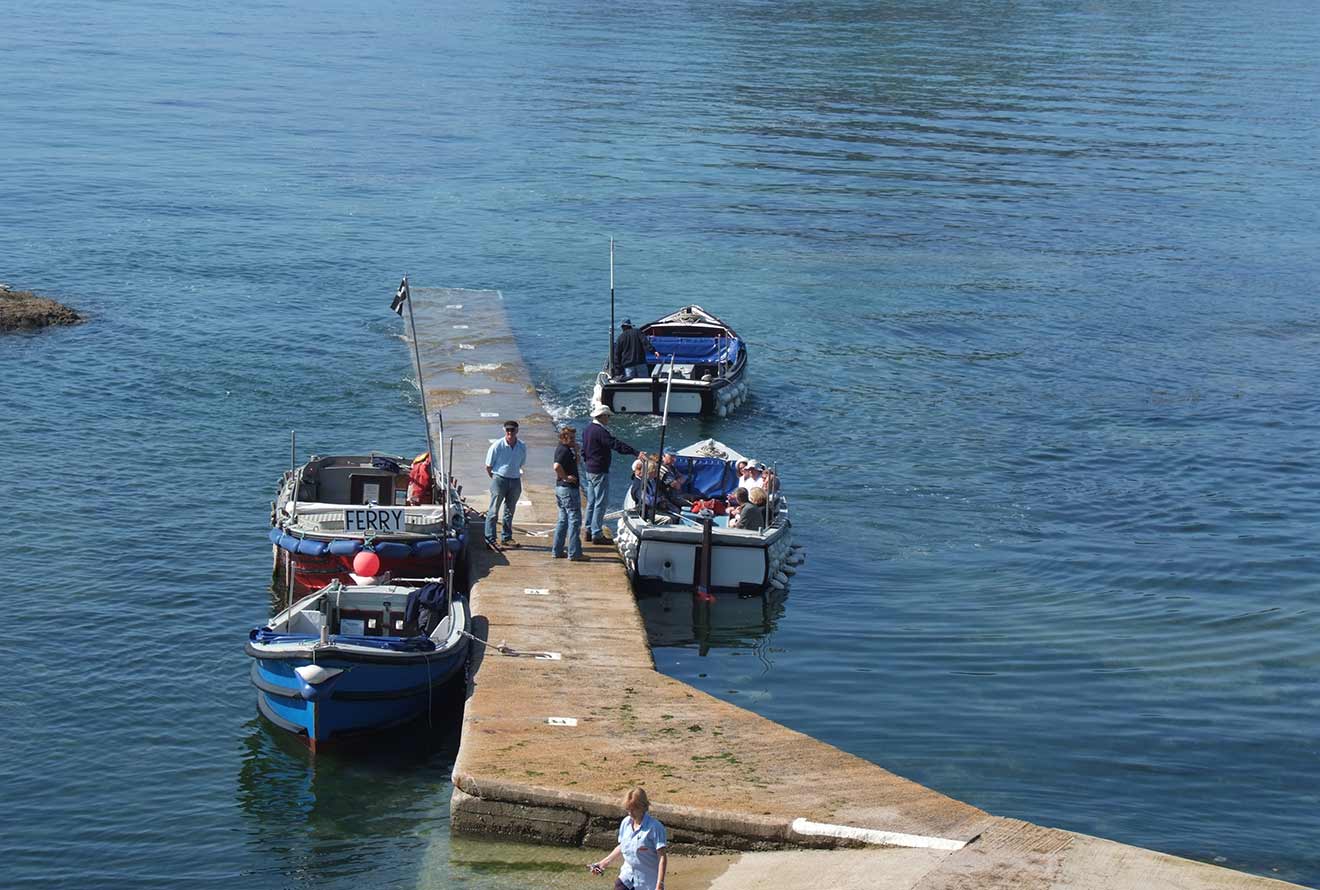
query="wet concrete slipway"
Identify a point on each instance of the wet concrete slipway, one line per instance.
(567, 711)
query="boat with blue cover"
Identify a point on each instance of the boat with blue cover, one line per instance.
(331, 509)
(665, 549)
(353, 659)
(709, 369)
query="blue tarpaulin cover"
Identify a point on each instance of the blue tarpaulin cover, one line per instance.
(708, 477)
(697, 350)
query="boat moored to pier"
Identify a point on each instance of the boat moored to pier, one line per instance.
(348, 660)
(332, 509)
(665, 548)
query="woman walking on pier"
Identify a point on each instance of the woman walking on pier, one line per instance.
(643, 846)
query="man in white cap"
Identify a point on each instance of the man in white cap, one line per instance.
(597, 444)
(752, 479)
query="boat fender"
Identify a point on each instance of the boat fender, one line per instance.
(723, 411)
(310, 547)
(393, 550)
(288, 542)
(315, 682)
(781, 577)
(345, 548)
(275, 534)
(788, 570)
(429, 549)
(777, 585)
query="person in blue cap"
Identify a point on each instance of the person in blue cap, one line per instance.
(630, 351)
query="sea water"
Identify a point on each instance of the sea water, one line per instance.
(1030, 295)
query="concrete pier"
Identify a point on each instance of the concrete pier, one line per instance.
(567, 711)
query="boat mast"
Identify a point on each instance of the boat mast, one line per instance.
(405, 293)
(660, 455)
(610, 362)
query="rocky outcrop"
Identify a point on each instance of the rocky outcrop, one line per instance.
(24, 310)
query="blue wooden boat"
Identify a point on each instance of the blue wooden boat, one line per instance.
(348, 660)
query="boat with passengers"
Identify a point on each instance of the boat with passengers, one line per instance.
(353, 659)
(332, 510)
(709, 368)
(662, 542)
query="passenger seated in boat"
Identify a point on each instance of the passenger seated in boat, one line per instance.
(737, 500)
(672, 481)
(752, 515)
(666, 504)
(753, 475)
(770, 482)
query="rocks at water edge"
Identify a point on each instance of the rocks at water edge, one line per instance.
(23, 310)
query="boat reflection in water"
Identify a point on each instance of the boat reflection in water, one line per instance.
(680, 619)
(323, 819)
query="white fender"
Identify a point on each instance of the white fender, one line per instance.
(312, 674)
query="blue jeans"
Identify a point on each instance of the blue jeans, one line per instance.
(639, 370)
(506, 491)
(598, 492)
(569, 524)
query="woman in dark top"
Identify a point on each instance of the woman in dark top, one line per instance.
(568, 496)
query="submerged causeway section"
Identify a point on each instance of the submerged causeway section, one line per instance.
(566, 710)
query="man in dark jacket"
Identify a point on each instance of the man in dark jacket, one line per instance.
(597, 444)
(630, 352)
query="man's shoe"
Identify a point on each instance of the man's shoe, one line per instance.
(581, 557)
(558, 555)
(510, 543)
(601, 539)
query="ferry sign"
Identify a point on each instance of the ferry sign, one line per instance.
(374, 519)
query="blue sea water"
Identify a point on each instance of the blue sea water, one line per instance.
(1030, 290)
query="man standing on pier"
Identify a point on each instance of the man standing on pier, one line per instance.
(597, 443)
(504, 463)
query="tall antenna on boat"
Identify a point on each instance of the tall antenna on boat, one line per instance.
(402, 298)
(660, 456)
(610, 363)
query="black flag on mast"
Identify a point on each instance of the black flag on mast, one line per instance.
(400, 298)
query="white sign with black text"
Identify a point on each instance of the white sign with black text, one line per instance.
(374, 519)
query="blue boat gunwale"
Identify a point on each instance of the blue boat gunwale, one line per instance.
(264, 685)
(308, 647)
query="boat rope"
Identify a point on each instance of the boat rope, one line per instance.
(503, 648)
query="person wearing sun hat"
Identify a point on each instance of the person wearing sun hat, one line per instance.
(598, 443)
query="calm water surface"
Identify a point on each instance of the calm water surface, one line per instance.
(1031, 292)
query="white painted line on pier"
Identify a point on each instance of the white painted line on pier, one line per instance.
(874, 836)
(522, 503)
(490, 414)
(461, 327)
(561, 721)
(476, 392)
(536, 591)
(548, 656)
(473, 369)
